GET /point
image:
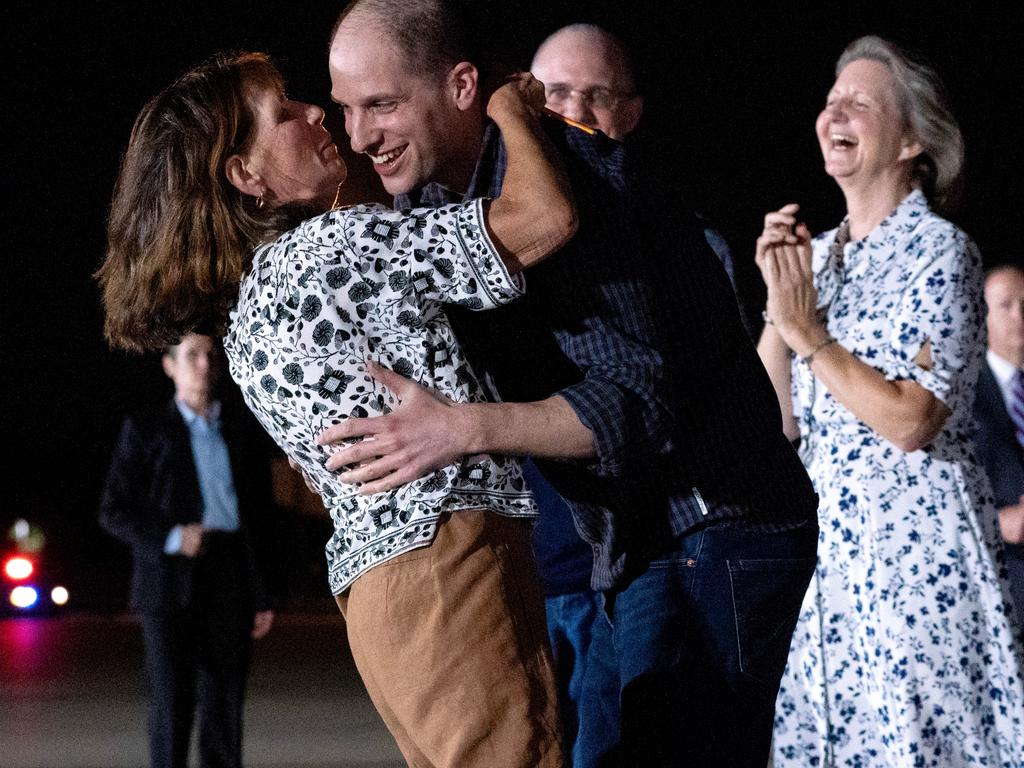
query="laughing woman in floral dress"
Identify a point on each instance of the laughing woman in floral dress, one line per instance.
(904, 654)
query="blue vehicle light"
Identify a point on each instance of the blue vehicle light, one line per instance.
(24, 597)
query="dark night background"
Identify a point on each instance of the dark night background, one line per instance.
(731, 96)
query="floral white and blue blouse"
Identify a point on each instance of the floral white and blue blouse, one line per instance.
(369, 284)
(904, 653)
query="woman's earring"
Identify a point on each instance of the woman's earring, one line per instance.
(260, 202)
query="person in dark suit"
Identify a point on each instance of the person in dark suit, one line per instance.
(188, 491)
(999, 412)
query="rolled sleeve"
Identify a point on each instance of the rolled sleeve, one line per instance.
(606, 295)
(454, 259)
(610, 413)
(941, 306)
(624, 397)
(483, 255)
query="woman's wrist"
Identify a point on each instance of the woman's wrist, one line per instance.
(810, 356)
(511, 113)
(804, 341)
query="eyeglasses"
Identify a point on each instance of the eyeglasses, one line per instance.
(596, 96)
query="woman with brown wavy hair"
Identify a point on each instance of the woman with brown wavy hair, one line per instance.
(225, 204)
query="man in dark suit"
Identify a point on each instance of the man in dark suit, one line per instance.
(188, 491)
(999, 411)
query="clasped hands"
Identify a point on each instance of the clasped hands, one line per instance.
(784, 257)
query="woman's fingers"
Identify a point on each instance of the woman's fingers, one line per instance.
(799, 258)
(771, 271)
(795, 271)
(784, 217)
(770, 238)
(777, 222)
(779, 227)
(804, 249)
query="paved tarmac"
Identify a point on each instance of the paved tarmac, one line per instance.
(72, 695)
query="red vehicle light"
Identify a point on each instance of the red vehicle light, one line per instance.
(18, 568)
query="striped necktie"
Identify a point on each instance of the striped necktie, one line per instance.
(1016, 404)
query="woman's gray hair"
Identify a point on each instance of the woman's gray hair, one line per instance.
(938, 169)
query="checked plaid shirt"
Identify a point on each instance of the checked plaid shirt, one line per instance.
(635, 324)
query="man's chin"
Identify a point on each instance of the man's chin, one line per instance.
(205, 396)
(399, 184)
(406, 176)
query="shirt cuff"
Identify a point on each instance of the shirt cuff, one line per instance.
(497, 286)
(599, 407)
(172, 544)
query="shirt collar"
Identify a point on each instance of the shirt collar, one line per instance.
(1002, 369)
(485, 181)
(212, 417)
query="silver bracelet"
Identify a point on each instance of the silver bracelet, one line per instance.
(809, 358)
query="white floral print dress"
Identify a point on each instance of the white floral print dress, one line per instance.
(904, 655)
(355, 285)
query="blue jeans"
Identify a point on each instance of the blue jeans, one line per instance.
(698, 643)
(571, 620)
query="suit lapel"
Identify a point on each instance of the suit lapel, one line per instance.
(991, 396)
(179, 444)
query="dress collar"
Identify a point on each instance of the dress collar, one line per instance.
(902, 219)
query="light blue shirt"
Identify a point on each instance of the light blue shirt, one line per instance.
(213, 469)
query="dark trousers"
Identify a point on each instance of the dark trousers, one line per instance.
(571, 620)
(697, 645)
(197, 660)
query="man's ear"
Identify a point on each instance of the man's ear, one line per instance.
(632, 109)
(464, 81)
(167, 361)
(242, 177)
